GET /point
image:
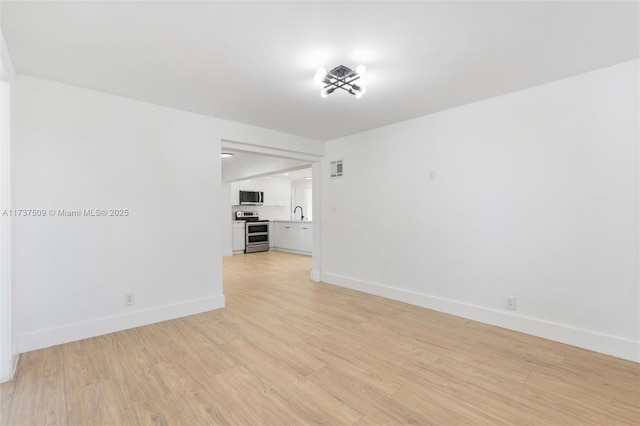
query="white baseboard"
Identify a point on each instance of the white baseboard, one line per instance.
(7, 370)
(315, 275)
(305, 253)
(598, 342)
(227, 252)
(69, 333)
(15, 356)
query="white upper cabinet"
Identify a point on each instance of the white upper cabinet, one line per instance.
(256, 184)
(235, 193)
(269, 186)
(281, 192)
(277, 190)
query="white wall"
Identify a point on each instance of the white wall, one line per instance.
(535, 196)
(8, 344)
(80, 149)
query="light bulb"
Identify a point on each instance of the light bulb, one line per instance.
(324, 93)
(320, 74)
(361, 69)
(361, 91)
(226, 155)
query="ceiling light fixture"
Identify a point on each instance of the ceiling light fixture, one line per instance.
(226, 155)
(341, 77)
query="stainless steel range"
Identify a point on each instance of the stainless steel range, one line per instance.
(256, 232)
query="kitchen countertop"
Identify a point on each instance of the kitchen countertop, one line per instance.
(293, 221)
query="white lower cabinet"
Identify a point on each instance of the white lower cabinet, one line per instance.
(238, 237)
(306, 239)
(287, 237)
(294, 236)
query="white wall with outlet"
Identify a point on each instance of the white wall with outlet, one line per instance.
(80, 149)
(531, 195)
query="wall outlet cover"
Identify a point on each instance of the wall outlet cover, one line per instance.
(129, 299)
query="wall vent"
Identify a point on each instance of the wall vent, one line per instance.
(336, 169)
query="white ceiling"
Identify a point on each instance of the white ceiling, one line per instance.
(244, 165)
(254, 62)
(300, 174)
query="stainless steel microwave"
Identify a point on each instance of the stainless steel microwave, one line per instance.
(251, 198)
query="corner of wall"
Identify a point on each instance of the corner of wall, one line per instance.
(491, 223)
(8, 347)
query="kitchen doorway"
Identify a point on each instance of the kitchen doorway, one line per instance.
(264, 169)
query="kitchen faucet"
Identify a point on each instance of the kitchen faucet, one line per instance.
(301, 212)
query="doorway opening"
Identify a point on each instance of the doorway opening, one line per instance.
(290, 185)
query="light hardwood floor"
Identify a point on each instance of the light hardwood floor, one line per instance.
(286, 350)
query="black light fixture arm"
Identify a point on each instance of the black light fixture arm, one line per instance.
(339, 83)
(341, 77)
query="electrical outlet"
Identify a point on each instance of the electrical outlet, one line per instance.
(129, 299)
(433, 175)
(511, 303)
